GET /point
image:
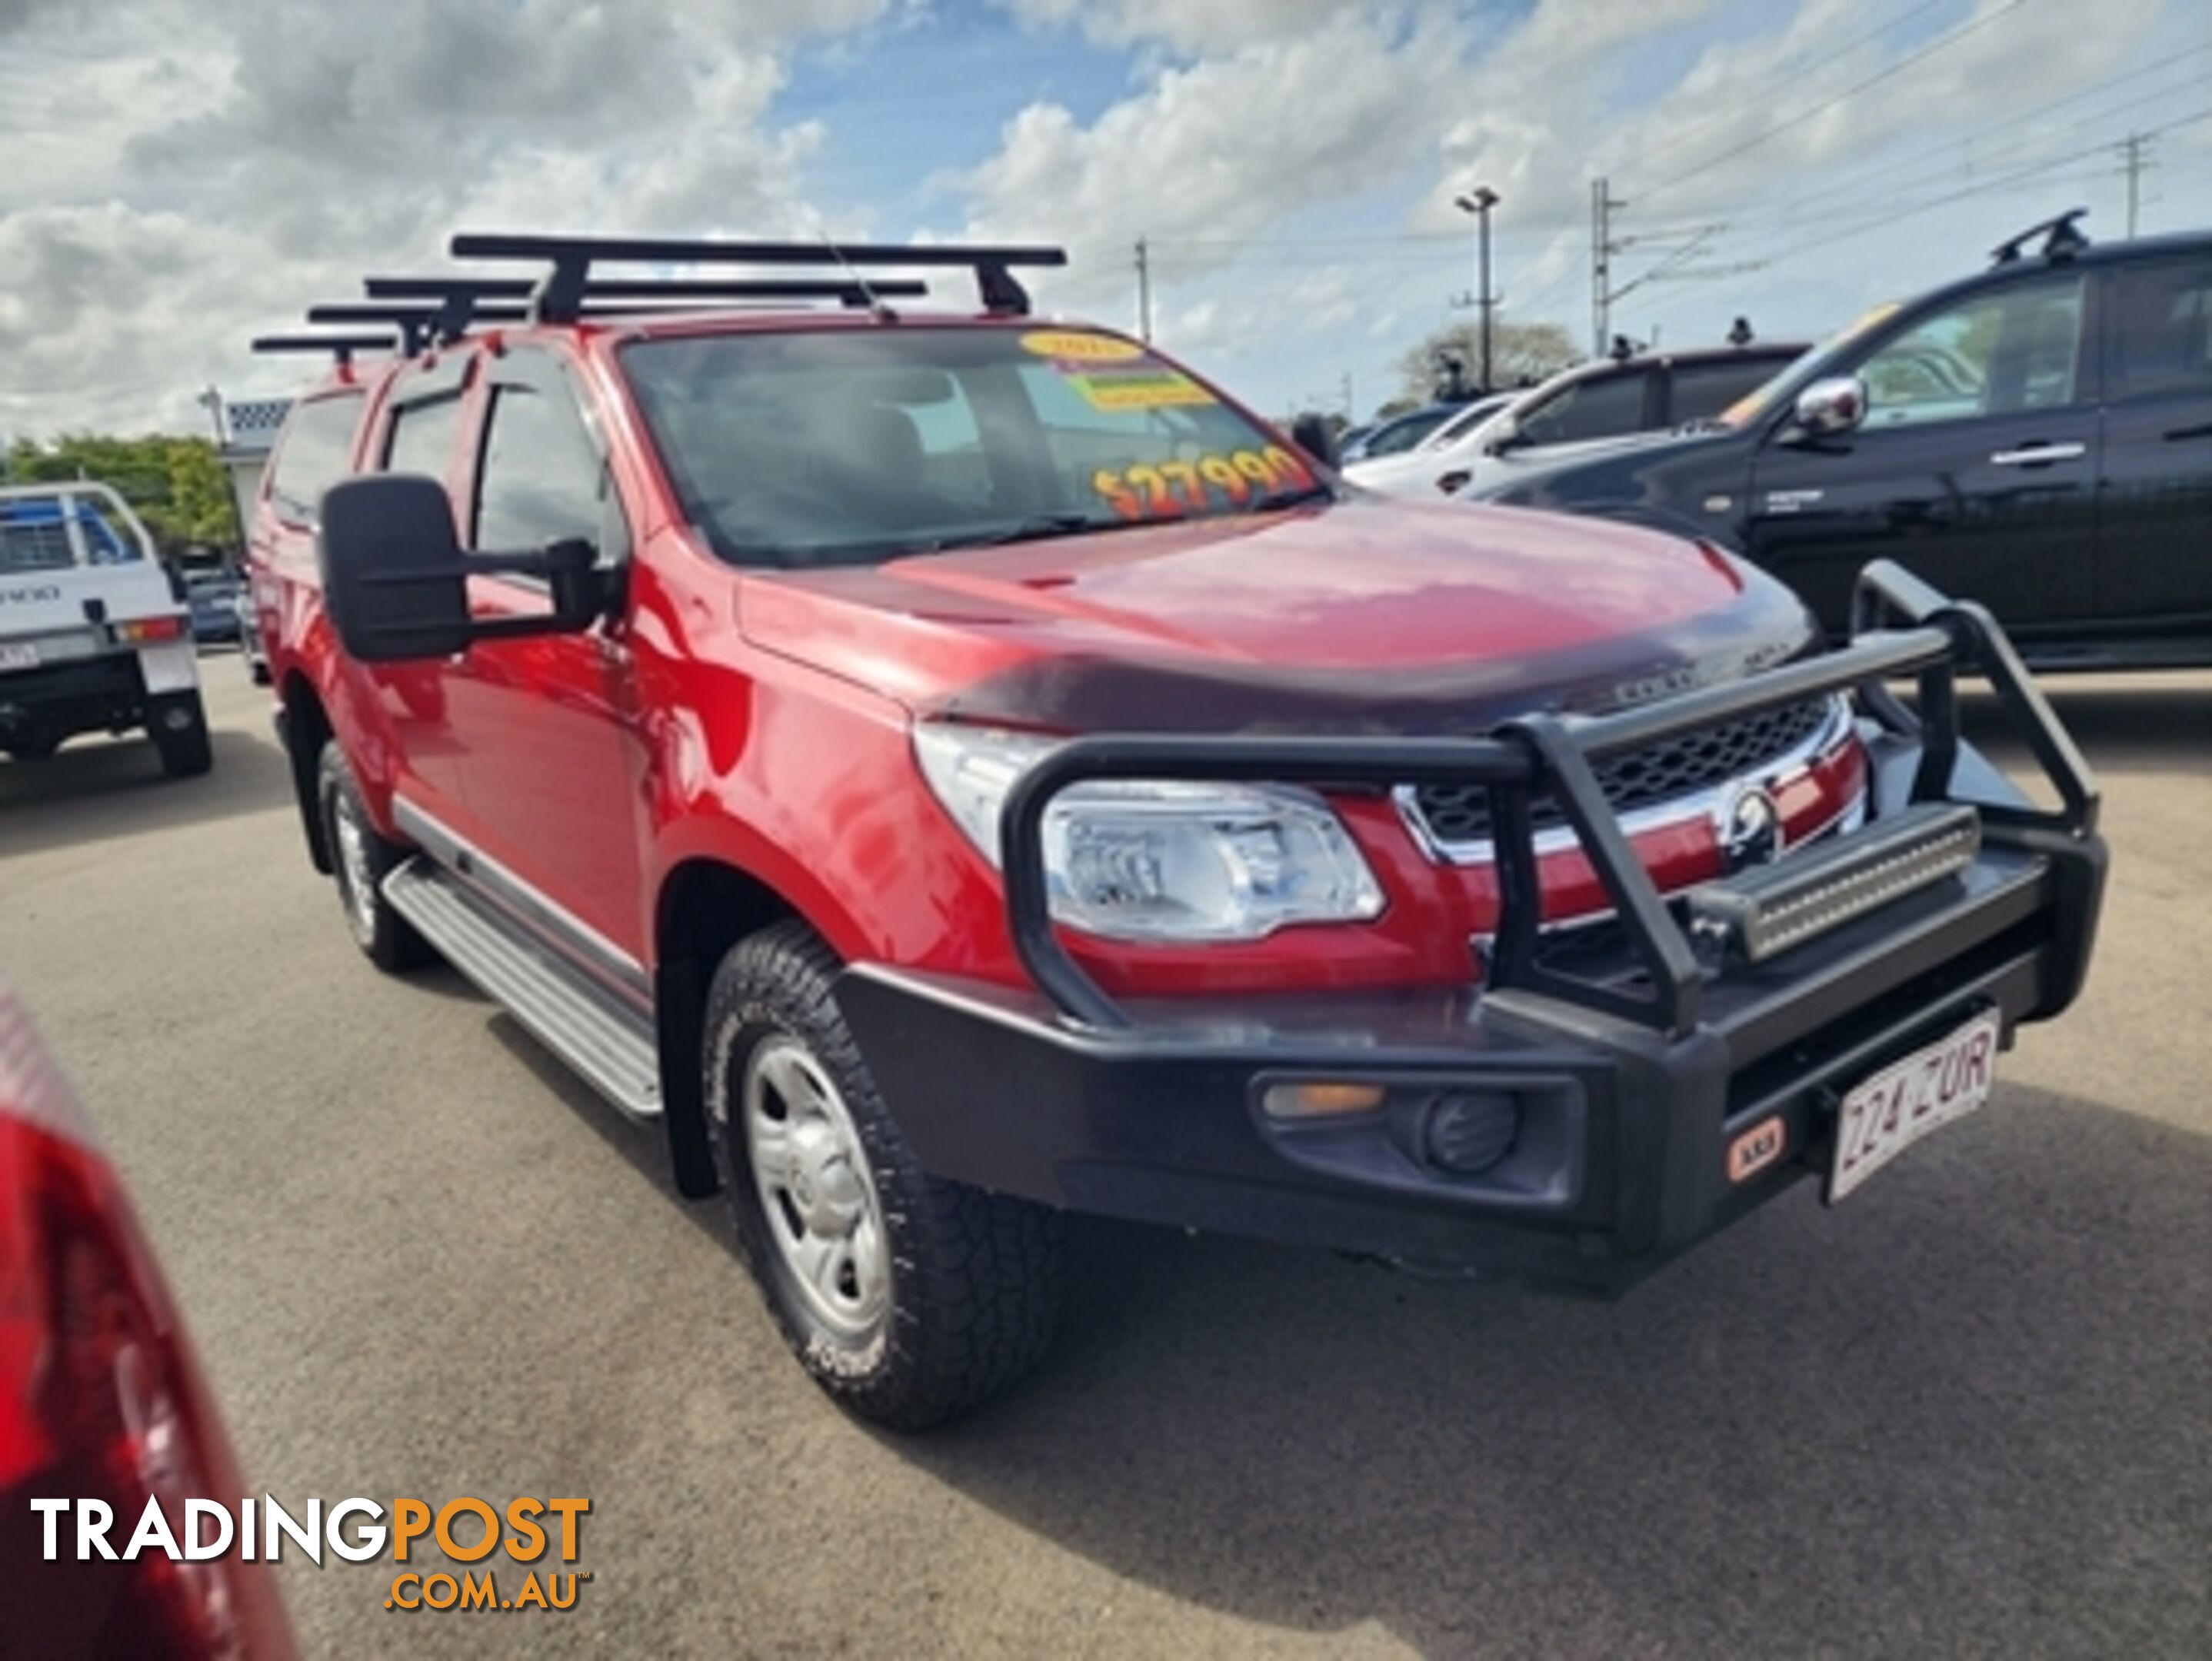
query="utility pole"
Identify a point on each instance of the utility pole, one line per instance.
(1602, 249)
(1347, 395)
(1144, 291)
(2135, 154)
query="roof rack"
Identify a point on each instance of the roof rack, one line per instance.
(340, 346)
(2064, 239)
(560, 295)
(440, 309)
(845, 291)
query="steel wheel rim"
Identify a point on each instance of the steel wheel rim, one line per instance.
(356, 881)
(817, 1196)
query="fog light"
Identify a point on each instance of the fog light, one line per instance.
(1326, 1099)
(1471, 1130)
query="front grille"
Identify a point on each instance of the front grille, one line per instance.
(1454, 815)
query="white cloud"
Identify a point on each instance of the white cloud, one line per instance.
(1193, 26)
(1245, 166)
(182, 174)
(1225, 147)
(176, 175)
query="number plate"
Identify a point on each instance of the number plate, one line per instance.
(25, 656)
(1903, 1102)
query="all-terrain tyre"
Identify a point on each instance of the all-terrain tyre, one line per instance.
(908, 1298)
(360, 859)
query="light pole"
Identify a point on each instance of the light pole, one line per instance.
(1479, 203)
(211, 400)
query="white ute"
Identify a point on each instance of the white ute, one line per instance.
(93, 636)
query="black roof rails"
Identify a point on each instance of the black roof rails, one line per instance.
(559, 297)
(845, 291)
(340, 346)
(418, 326)
(2065, 238)
(458, 309)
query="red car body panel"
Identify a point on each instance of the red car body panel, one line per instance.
(100, 1399)
(760, 719)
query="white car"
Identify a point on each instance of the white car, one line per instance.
(94, 635)
(1419, 471)
(1592, 404)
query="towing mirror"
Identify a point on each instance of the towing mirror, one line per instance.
(1313, 434)
(1836, 403)
(395, 577)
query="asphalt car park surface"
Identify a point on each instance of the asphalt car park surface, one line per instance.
(1968, 1412)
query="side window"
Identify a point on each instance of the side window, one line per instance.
(2162, 332)
(1598, 408)
(1702, 390)
(1999, 354)
(421, 437)
(541, 479)
(316, 448)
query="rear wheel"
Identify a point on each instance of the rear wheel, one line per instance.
(908, 1298)
(179, 727)
(361, 858)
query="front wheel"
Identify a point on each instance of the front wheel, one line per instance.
(908, 1298)
(361, 858)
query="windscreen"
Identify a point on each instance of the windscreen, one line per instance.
(844, 447)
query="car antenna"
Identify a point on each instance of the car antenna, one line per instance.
(877, 308)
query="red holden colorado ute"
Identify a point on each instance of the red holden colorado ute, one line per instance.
(954, 771)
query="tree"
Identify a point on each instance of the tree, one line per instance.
(1521, 355)
(176, 486)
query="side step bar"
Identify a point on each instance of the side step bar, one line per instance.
(609, 1045)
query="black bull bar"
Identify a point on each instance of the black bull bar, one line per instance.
(1902, 627)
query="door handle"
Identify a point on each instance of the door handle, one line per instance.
(2036, 455)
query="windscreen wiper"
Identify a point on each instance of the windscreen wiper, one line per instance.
(1299, 498)
(1037, 527)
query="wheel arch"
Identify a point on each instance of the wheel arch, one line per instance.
(704, 906)
(306, 728)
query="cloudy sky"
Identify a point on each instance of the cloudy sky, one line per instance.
(177, 175)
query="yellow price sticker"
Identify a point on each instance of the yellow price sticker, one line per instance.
(1079, 346)
(1169, 490)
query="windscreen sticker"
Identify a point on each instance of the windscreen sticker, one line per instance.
(1076, 346)
(1146, 387)
(1169, 489)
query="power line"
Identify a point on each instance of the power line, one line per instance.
(1821, 201)
(1846, 185)
(2012, 178)
(1837, 55)
(1973, 26)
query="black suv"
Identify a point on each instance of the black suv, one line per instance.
(2038, 436)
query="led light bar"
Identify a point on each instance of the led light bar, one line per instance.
(1765, 911)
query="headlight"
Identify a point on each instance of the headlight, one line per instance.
(1155, 859)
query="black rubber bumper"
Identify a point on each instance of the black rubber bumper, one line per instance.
(1618, 1156)
(82, 694)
